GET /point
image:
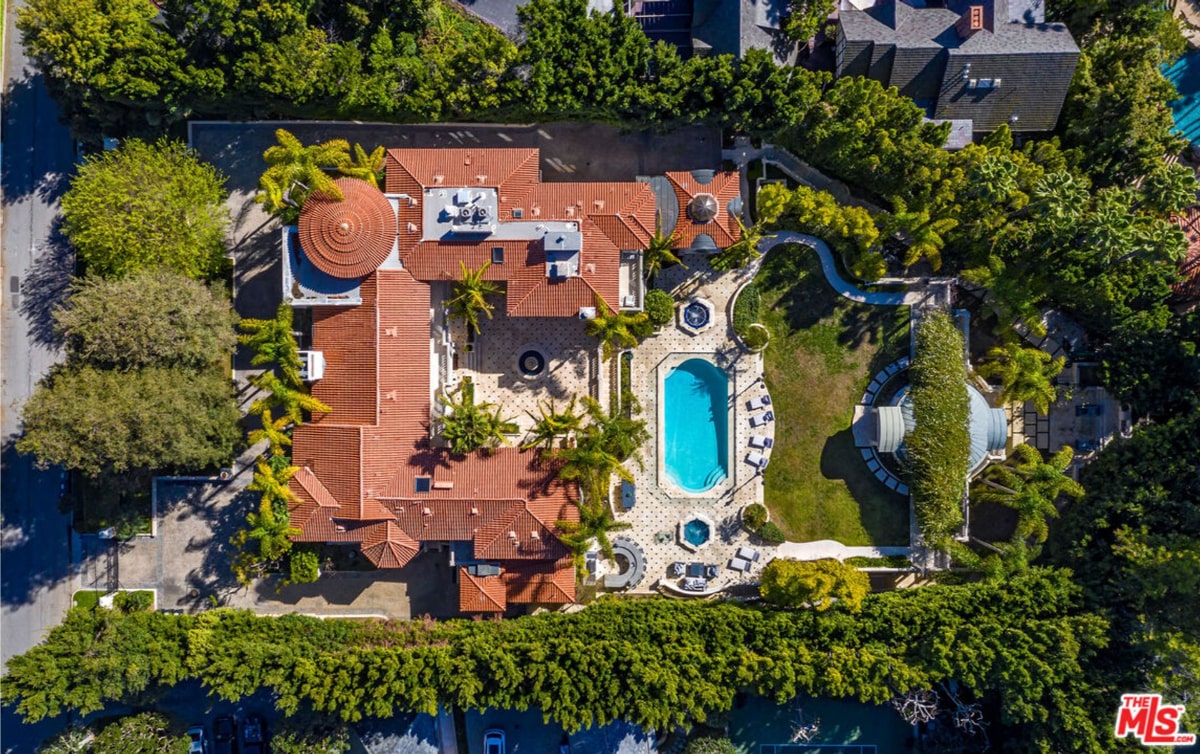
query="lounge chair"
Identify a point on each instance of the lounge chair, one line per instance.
(761, 401)
(739, 564)
(761, 442)
(756, 459)
(760, 420)
(748, 553)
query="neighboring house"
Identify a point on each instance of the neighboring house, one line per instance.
(989, 61)
(375, 269)
(717, 27)
(1187, 291)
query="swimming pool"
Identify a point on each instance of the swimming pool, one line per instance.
(695, 431)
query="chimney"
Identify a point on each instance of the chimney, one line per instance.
(972, 21)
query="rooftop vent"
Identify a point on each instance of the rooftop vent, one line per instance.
(312, 365)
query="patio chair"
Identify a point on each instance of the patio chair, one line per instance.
(748, 554)
(677, 569)
(756, 459)
(761, 420)
(761, 401)
(711, 570)
(761, 442)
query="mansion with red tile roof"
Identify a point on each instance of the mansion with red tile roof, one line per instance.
(374, 268)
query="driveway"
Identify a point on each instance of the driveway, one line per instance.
(188, 564)
(38, 157)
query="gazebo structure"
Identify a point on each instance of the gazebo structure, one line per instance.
(988, 427)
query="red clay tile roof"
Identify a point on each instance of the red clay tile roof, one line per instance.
(351, 237)
(510, 170)
(359, 463)
(1188, 289)
(480, 594)
(723, 229)
(541, 581)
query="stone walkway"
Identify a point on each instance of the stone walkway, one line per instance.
(828, 548)
(913, 297)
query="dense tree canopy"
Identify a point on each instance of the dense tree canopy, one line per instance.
(146, 205)
(658, 663)
(94, 421)
(150, 317)
(817, 583)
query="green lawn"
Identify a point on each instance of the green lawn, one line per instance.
(824, 350)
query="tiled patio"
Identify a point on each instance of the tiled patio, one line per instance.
(571, 357)
(659, 510)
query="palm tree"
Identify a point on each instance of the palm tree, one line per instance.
(601, 448)
(617, 329)
(1011, 294)
(471, 426)
(660, 254)
(595, 522)
(363, 166)
(273, 342)
(924, 231)
(272, 483)
(1026, 374)
(742, 252)
(1029, 485)
(295, 171)
(274, 431)
(272, 532)
(293, 401)
(470, 296)
(551, 424)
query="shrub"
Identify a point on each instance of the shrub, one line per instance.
(850, 231)
(887, 561)
(771, 533)
(817, 583)
(147, 205)
(710, 746)
(660, 307)
(939, 447)
(146, 733)
(305, 567)
(747, 309)
(133, 602)
(754, 516)
(757, 337)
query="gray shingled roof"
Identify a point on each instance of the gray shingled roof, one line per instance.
(908, 27)
(736, 26)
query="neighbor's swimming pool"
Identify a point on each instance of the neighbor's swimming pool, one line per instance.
(695, 430)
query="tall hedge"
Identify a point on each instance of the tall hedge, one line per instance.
(657, 663)
(939, 448)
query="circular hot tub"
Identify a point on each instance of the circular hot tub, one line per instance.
(696, 316)
(531, 362)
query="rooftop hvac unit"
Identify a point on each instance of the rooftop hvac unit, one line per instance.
(312, 365)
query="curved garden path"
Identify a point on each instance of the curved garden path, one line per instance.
(829, 267)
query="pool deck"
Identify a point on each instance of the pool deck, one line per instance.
(658, 510)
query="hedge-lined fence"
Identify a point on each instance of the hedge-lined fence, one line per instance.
(939, 448)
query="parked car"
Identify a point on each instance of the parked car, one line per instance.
(254, 734)
(197, 740)
(493, 741)
(225, 735)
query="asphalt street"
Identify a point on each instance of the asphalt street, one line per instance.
(38, 155)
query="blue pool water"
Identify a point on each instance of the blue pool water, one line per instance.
(696, 532)
(695, 428)
(1185, 75)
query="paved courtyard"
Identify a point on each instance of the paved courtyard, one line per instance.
(569, 354)
(660, 506)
